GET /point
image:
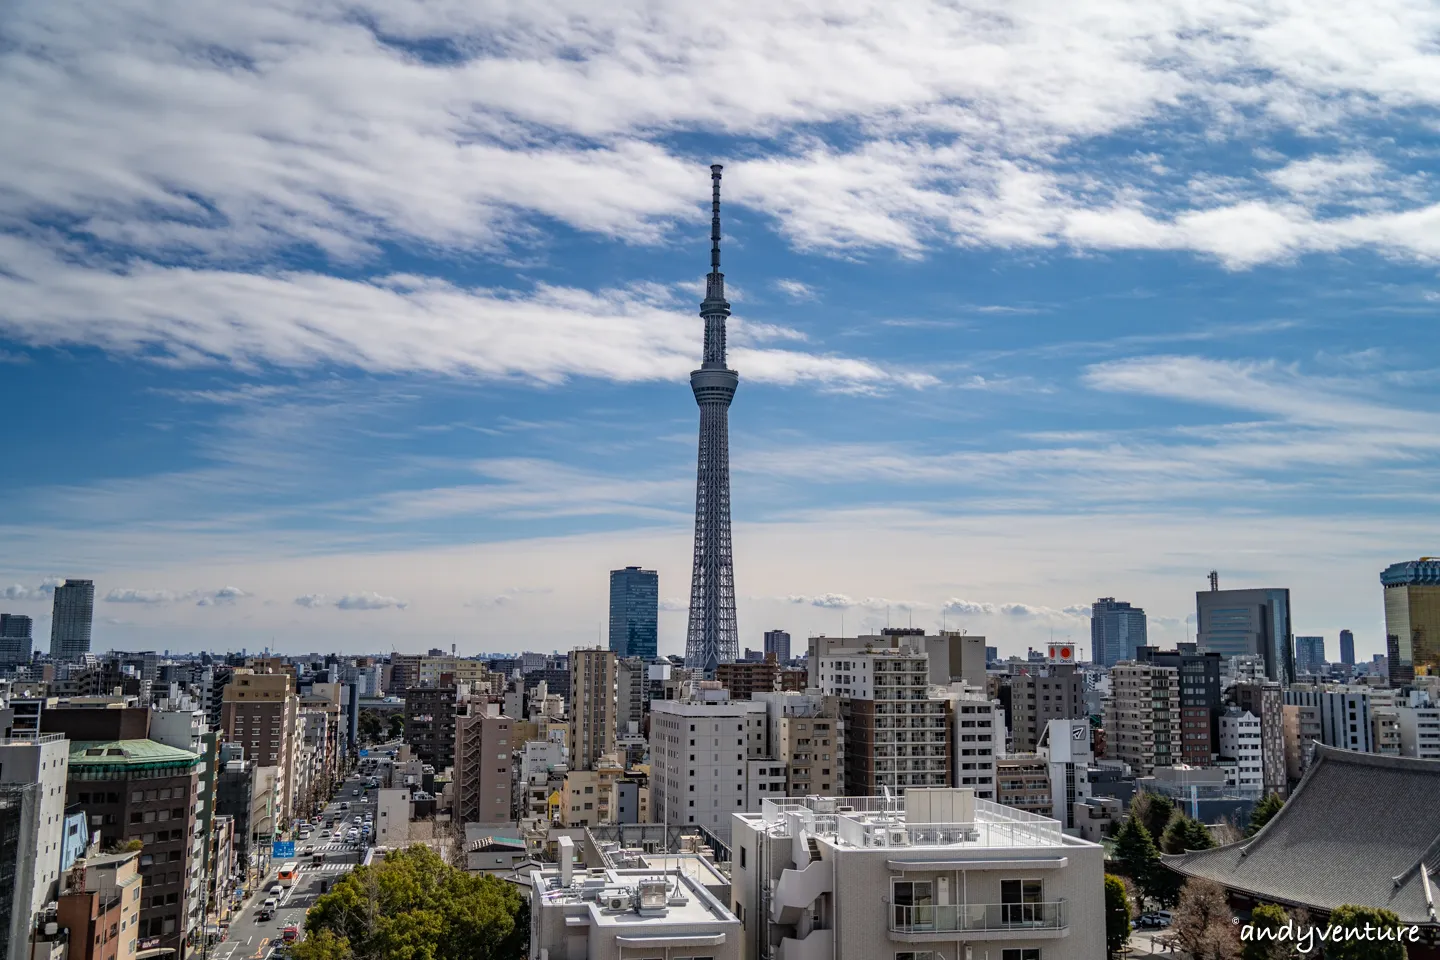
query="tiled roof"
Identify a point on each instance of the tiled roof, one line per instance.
(1357, 830)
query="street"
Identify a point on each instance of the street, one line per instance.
(249, 938)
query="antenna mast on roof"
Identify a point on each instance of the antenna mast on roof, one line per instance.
(1214, 581)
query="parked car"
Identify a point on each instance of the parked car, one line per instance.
(1154, 920)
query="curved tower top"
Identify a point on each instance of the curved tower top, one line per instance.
(712, 638)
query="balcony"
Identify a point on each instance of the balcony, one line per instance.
(820, 945)
(990, 921)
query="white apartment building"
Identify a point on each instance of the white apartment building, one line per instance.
(1419, 724)
(33, 770)
(932, 874)
(708, 760)
(977, 736)
(895, 731)
(1344, 714)
(1067, 750)
(626, 914)
(1240, 743)
(542, 769)
(182, 723)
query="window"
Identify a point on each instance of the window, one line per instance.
(913, 902)
(917, 955)
(1020, 900)
(1022, 953)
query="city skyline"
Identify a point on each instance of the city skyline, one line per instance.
(1008, 347)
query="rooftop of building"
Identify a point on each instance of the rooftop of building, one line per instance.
(1425, 571)
(941, 817)
(652, 896)
(109, 752)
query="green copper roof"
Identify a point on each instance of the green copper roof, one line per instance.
(103, 752)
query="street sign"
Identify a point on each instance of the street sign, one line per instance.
(282, 849)
(364, 753)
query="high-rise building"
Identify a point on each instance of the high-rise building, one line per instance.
(71, 617)
(882, 749)
(708, 760)
(778, 643)
(1142, 718)
(430, 721)
(484, 743)
(1412, 618)
(593, 709)
(32, 775)
(1347, 648)
(630, 688)
(1266, 700)
(1200, 705)
(260, 712)
(745, 679)
(1344, 714)
(1117, 630)
(712, 637)
(15, 639)
(805, 733)
(1038, 694)
(1309, 656)
(1237, 623)
(634, 612)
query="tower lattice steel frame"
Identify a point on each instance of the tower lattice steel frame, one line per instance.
(712, 637)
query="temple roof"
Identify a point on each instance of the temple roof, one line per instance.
(1358, 829)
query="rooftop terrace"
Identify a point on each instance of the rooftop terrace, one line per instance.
(935, 818)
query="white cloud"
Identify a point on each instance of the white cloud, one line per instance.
(674, 604)
(369, 600)
(970, 607)
(130, 595)
(797, 291)
(44, 590)
(965, 122)
(312, 600)
(398, 324)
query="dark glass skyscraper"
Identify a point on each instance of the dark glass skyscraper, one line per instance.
(1347, 648)
(1117, 631)
(73, 613)
(15, 639)
(1235, 623)
(634, 612)
(778, 643)
(1309, 656)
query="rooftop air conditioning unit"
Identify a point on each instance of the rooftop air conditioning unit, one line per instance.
(618, 902)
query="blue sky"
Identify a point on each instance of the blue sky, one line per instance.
(357, 325)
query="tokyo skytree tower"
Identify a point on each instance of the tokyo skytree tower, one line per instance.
(712, 638)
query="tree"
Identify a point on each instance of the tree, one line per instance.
(1117, 915)
(1140, 860)
(1350, 919)
(1186, 833)
(415, 906)
(397, 725)
(1268, 917)
(1263, 813)
(1203, 924)
(1155, 810)
(370, 725)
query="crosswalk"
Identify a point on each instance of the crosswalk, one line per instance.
(331, 868)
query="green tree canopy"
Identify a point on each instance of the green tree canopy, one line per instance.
(1185, 833)
(370, 725)
(1155, 810)
(1117, 915)
(415, 906)
(397, 725)
(1268, 916)
(1263, 813)
(1351, 918)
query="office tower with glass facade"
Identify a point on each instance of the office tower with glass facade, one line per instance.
(634, 612)
(778, 643)
(1236, 623)
(15, 639)
(1117, 630)
(72, 615)
(1347, 648)
(1309, 656)
(1412, 618)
